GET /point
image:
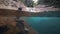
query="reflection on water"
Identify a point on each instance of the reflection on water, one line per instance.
(44, 25)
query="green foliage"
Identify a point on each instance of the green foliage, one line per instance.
(40, 1)
(28, 3)
(55, 3)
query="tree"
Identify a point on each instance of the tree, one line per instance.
(55, 3)
(28, 3)
(40, 1)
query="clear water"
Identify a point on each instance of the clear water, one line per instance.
(44, 25)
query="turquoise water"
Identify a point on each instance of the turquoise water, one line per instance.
(44, 25)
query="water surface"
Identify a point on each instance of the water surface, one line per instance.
(44, 25)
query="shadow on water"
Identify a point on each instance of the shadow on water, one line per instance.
(44, 25)
(45, 14)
